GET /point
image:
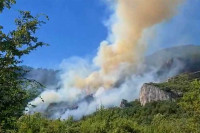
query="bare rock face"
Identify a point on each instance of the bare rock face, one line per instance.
(150, 93)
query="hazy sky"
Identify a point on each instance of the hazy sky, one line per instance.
(76, 28)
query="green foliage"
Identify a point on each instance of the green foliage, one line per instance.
(162, 124)
(14, 45)
(133, 119)
(38, 124)
(180, 116)
(180, 83)
(6, 3)
(191, 100)
(116, 120)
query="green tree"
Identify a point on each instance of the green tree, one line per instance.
(6, 3)
(191, 100)
(14, 45)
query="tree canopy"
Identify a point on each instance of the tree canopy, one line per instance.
(13, 45)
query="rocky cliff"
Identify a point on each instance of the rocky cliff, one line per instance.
(149, 93)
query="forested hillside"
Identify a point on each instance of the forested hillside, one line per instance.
(181, 115)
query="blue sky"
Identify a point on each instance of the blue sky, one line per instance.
(76, 28)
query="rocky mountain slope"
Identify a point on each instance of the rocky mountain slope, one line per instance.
(175, 60)
(150, 93)
(172, 89)
(188, 54)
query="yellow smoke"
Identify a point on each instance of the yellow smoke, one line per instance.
(123, 55)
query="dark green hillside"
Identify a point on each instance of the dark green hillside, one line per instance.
(180, 116)
(179, 83)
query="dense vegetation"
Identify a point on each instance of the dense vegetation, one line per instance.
(179, 116)
(14, 45)
(179, 83)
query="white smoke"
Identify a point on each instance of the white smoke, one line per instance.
(128, 89)
(116, 71)
(111, 98)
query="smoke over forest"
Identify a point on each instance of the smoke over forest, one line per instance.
(119, 68)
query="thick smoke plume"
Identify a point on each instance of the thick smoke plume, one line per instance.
(113, 75)
(126, 51)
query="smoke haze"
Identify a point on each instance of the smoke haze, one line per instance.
(117, 70)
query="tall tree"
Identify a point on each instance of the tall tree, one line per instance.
(14, 45)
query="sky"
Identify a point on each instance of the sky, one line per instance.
(76, 28)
